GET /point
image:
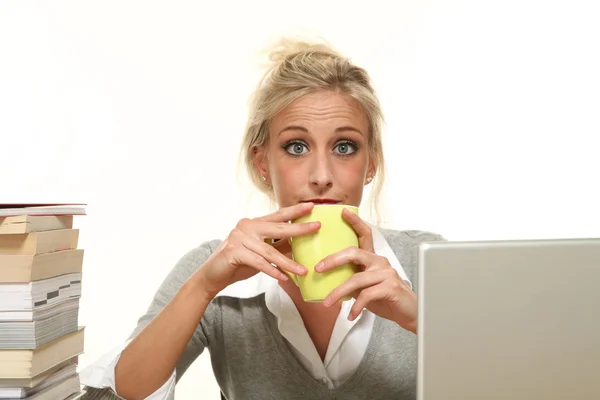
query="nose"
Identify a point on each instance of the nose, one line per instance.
(321, 177)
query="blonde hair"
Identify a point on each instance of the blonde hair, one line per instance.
(297, 68)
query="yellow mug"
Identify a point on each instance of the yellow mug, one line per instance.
(334, 235)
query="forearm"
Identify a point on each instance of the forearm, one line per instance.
(149, 360)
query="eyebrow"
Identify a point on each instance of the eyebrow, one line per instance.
(303, 129)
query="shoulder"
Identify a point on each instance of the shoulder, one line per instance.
(181, 271)
(405, 245)
(193, 259)
(200, 252)
(409, 237)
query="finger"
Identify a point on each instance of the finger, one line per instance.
(270, 254)
(364, 298)
(255, 261)
(362, 229)
(285, 214)
(348, 255)
(284, 230)
(357, 282)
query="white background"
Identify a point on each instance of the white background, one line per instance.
(138, 107)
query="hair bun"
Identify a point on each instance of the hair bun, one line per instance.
(287, 47)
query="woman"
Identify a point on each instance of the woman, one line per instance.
(313, 136)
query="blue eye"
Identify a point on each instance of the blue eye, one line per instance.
(346, 148)
(295, 148)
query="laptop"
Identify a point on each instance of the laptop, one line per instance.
(516, 320)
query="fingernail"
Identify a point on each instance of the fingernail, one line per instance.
(315, 224)
(350, 317)
(319, 266)
(326, 302)
(301, 270)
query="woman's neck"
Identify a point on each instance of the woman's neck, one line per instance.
(318, 320)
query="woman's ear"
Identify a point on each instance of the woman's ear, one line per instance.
(371, 170)
(260, 162)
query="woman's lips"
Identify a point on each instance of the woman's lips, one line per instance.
(321, 201)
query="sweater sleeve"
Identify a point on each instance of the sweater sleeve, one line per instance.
(99, 377)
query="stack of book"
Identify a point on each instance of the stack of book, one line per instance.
(40, 287)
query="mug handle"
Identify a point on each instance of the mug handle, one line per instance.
(293, 277)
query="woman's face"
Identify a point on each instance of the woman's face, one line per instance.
(318, 151)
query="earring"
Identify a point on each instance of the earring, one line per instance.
(369, 179)
(264, 178)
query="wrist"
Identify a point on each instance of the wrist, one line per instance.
(196, 287)
(412, 327)
(407, 324)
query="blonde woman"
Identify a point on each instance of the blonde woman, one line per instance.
(313, 136)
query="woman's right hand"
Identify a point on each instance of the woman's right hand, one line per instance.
(244, 252)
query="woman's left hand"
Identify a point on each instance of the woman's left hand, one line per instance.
(377, 287)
